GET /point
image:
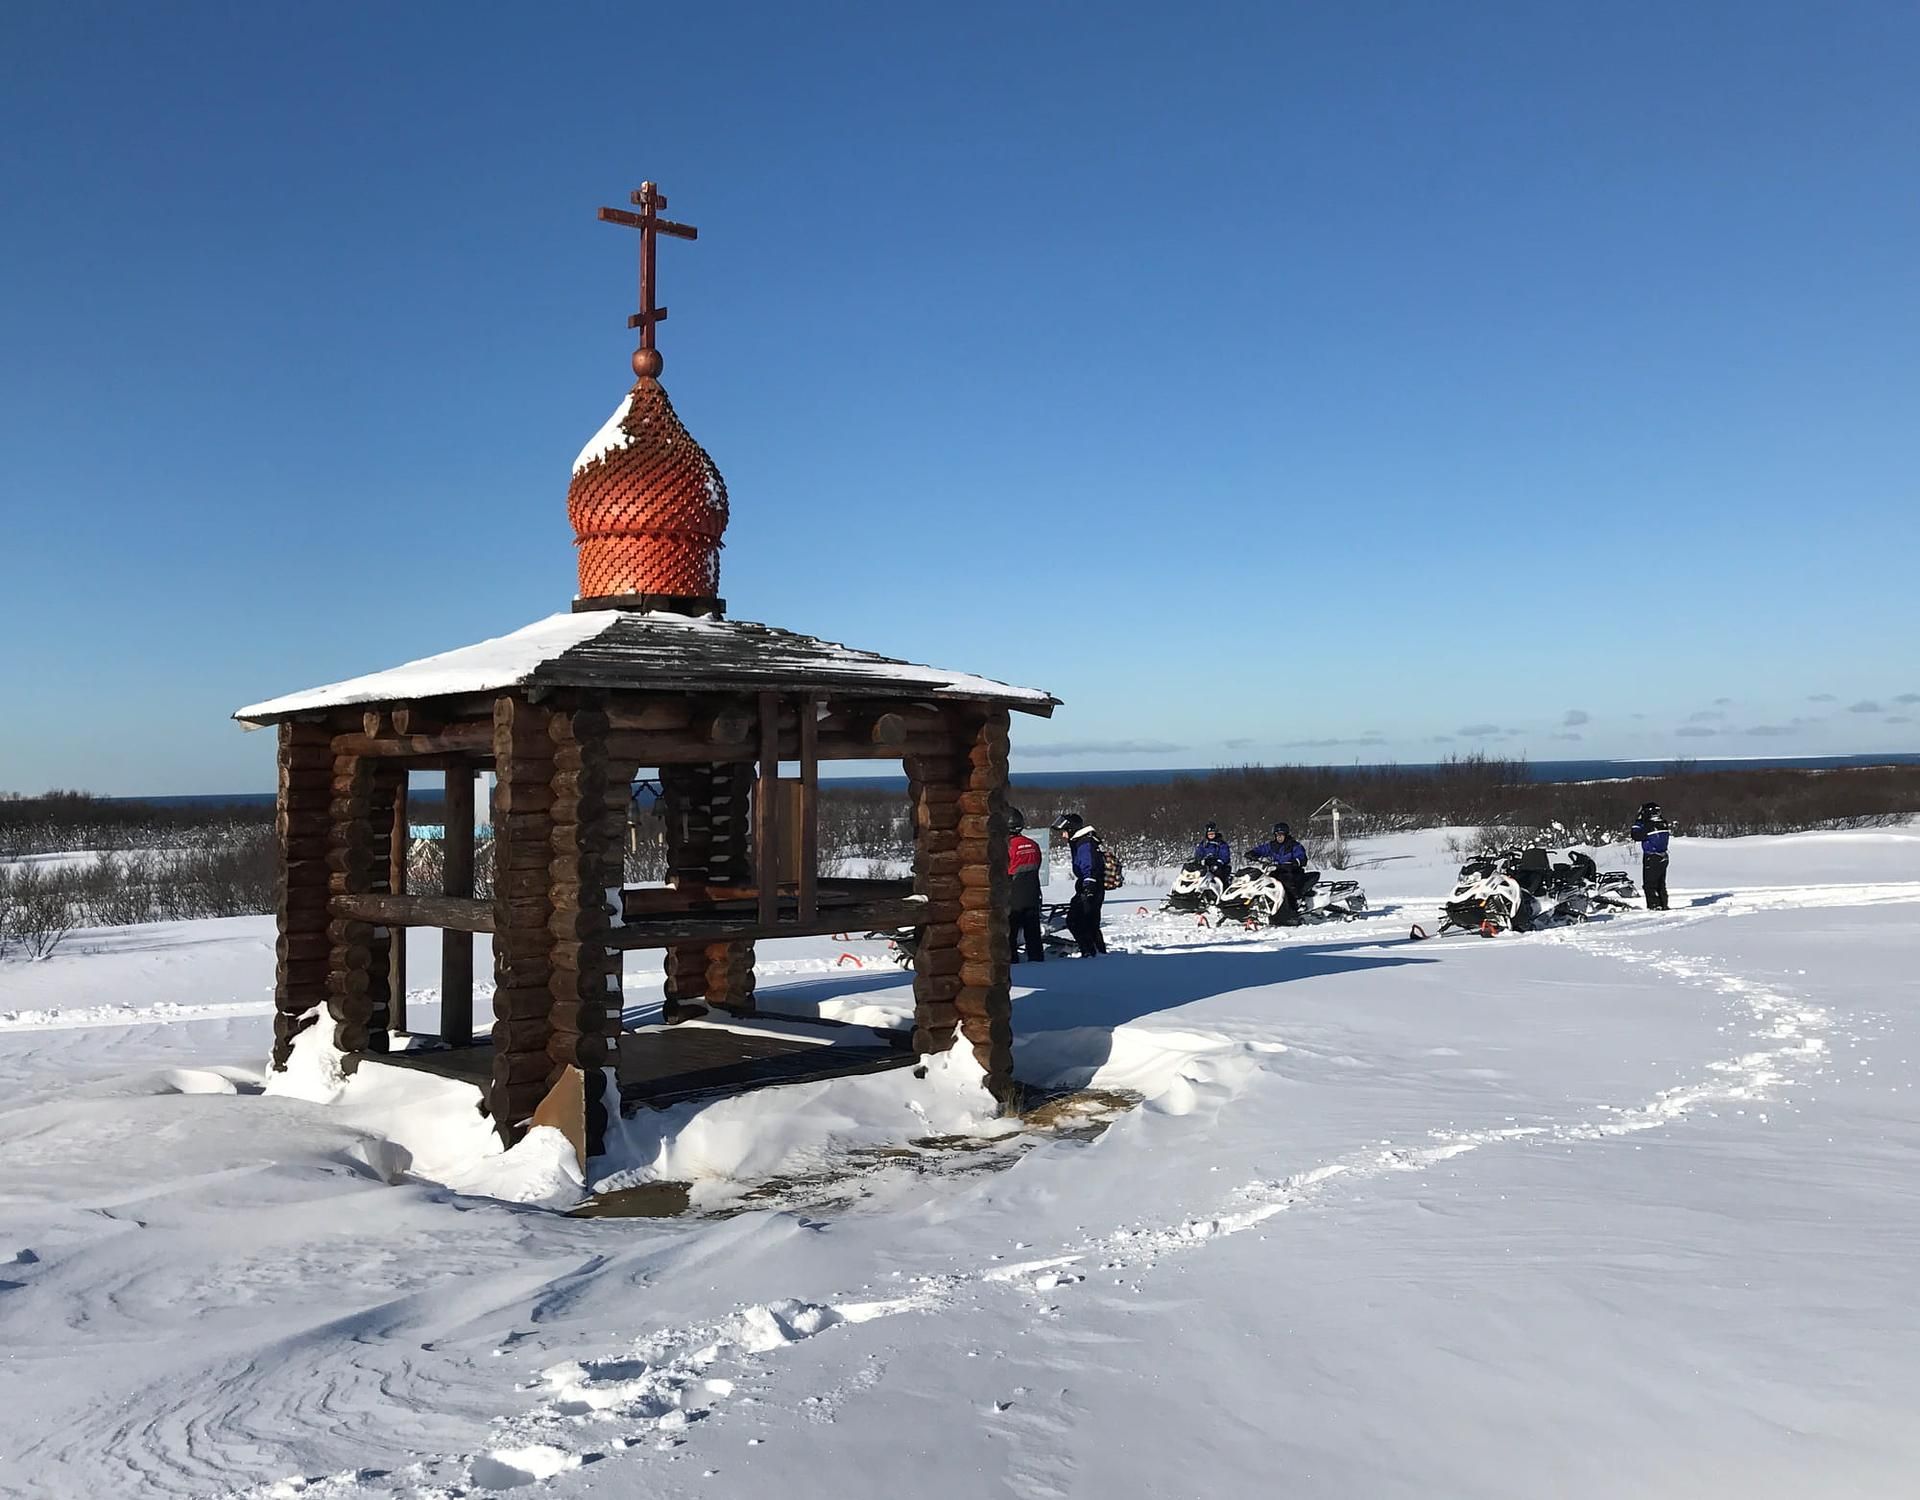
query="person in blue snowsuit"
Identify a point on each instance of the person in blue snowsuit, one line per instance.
(1652, 832)
(1215, 851)
(1288, 856)
(1089, 883)
(1282, 849)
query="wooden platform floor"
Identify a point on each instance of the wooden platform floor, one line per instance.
(662, 1065)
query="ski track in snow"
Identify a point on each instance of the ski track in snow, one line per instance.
(669, 1388)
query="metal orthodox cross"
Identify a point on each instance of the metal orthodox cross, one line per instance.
(650, 200)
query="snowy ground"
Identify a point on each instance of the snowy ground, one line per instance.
(1619, 1210)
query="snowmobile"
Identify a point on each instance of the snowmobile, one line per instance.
(1197, 888)
(903, 943)
(1257, 895)
(1527, 889)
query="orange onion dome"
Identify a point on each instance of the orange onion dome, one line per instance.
(648, 507)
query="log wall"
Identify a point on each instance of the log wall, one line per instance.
(710, 843)
(302, 947)
(933, 785)
(587, 842)
(985, 998)
(356, 964)
(523, 941)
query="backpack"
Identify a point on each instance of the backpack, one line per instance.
(1112, 876)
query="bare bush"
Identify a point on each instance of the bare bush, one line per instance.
(39, 913)
(1494, 801)
(67, 822)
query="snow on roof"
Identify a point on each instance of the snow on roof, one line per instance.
(631, 649)
(610, 436)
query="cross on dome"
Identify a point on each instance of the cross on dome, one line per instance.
(646, 359)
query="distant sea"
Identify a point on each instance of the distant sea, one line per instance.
(1538, 770)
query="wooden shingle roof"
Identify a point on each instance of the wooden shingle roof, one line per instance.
(655, 653)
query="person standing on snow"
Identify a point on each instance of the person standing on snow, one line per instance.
(1023, 908)
(1652, 832)
(1215, 851)
(1288, 856)
(1089, 883)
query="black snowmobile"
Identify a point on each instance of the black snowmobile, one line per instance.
(1525, 889)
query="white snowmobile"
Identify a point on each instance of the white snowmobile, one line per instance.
(1523, 890)
(1197, 888)
(1256, 894)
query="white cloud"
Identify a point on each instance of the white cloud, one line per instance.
(1098, 747)
(1576, 716)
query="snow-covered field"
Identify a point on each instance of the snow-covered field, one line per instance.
(1627, 1209)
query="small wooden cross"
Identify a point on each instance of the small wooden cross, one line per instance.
(650, 200)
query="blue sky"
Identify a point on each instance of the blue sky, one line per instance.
(1269, 381)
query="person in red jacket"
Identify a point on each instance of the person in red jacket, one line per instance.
(1023, 908)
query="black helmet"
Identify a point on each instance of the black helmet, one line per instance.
(1212, 827)
(1650, 808)
(1066, 823)
(1016, 820)
(1283, 830)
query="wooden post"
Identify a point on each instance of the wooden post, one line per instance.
(456, 948)
(689, 798)
(729, 965)
(356, 984)
(301, 945)
(523, 941)
(809, 872)
(766, 811)
(933, 782)
(399, 845)
(984, 1001)
(585, 866)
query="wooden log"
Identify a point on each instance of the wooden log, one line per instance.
(523, 744)
(766, 809)
(519, 1067)
(973, 999)
(304, 766)
(650, 714)
(456, 946)
(452, 913)
(522, 1003)
(980, 947)
(399, 843)
(808, 899)
(936, 1015)
(936, 987)
(456, 739)
(523, 797)
(665, 932)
